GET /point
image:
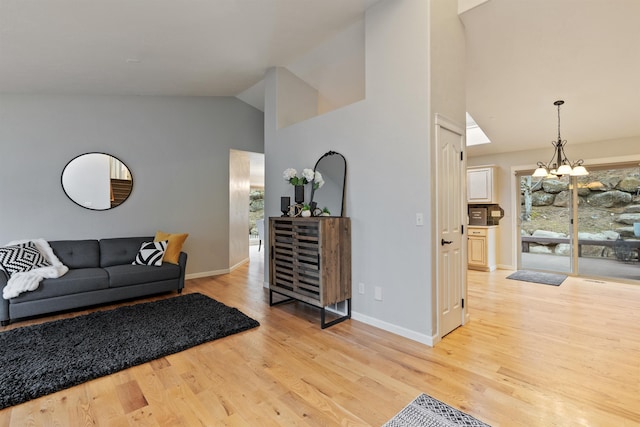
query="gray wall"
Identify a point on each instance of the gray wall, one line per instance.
(386, 139)
(176, 147)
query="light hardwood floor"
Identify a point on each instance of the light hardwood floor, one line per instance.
(532, 355)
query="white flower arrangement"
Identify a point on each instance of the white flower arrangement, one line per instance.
(318, 181)
(308, 175)
(291, 175)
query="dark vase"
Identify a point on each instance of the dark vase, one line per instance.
(285, 201)
(299, 194)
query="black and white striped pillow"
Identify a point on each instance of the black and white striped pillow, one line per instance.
(22, 257)
(151, 253)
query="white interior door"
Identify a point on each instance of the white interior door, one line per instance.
(450, 175)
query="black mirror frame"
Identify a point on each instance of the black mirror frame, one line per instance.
(344, 180)
(85, 207)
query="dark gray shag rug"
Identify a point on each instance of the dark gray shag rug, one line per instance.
(538, 277)
(425, 411)
(41, 359)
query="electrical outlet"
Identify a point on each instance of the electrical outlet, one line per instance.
(378, 293)
(361, 288)
(419, 219)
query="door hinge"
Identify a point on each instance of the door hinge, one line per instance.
(462, 229)
(462, 302)
(461, 155)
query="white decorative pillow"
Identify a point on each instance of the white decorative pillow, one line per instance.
(151, 253)
(22, 257)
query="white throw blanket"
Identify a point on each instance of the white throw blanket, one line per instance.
(30, 280)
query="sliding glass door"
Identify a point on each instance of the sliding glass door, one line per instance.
(545, 224)
(582, 225)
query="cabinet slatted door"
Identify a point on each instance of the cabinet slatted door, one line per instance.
(311, 260)
(282, 270)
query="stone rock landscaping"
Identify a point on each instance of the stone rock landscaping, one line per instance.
(608, 208)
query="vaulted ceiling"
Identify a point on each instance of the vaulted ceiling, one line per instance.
(159, 47)
(522, 55)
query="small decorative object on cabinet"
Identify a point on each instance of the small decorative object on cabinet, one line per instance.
(311, 262)
(285, 202)
(481, 251)
(299, 194)
(482, 184)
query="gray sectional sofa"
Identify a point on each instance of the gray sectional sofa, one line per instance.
(100, 271)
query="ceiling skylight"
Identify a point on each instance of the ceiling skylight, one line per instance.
(475, 135)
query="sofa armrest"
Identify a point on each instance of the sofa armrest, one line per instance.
(4, 304)
(182, 262)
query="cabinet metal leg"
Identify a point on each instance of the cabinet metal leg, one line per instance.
(323, 315)
(271, 303)
(324, 325)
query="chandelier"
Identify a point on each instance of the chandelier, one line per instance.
(562, 165)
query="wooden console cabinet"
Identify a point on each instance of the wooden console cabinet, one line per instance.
(310, 261)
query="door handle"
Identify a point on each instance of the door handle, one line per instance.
(445, 242)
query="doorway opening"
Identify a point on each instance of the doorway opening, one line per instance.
(246, 176)
(256, 199)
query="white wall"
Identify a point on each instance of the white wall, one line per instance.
(596, 153)
(386, 141)
(447, 97)
(176, 147)
(297, 100)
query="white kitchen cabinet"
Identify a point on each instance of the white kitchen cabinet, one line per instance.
(481, 250)
(482, 184)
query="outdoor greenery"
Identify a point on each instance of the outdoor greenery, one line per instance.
(256, 209)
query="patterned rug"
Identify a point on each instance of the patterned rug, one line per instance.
(538, 277)
(41, 359)
(425, 411)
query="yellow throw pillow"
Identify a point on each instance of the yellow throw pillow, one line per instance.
(172, 254)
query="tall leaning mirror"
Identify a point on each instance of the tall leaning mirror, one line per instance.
(97, 181)
(330, 198)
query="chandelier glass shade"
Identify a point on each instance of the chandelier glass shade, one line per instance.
(559, 164)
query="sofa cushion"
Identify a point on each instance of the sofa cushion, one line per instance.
(174, 248)
(122, 250)
(73, 282)
(151, 253)
(77, 253)
(22, 257)
(125, 275)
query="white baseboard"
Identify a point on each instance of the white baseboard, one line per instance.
(506, 267)
(244, 261)
(398, 330)
(206, 274)
(215, 272)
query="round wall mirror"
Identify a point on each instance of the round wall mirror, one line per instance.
(97, 181)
